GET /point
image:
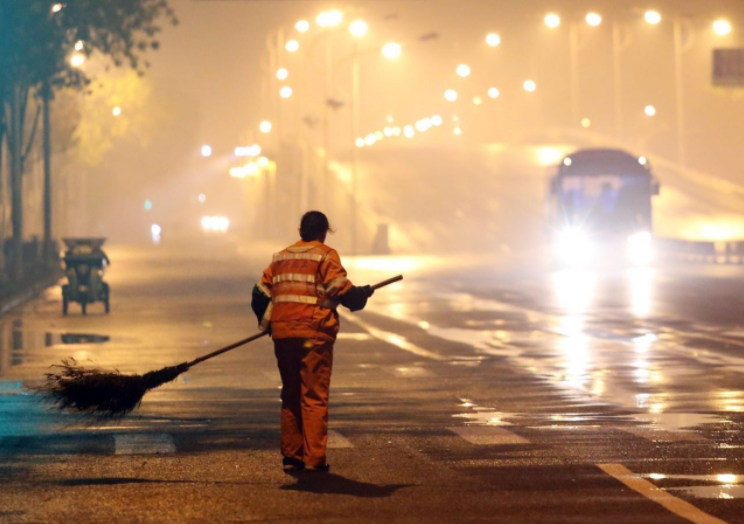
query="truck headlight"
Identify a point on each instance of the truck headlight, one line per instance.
(574, 247)
(640, 248)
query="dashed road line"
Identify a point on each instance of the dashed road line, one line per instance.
(337, 441)
(393, 338)
(677, 506)
(144, 444)
(488, 435)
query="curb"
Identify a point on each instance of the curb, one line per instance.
(36, 289)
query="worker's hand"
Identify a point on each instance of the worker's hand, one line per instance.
(369, 290)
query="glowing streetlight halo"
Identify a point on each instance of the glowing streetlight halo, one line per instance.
(594, 19)
(282, 73)
(530, 86)
(652, 17)
(265, 127)
(650, 110)
(450, 95)
(493, 39)
(292, 46)
(302, 26)
(285, 92)
(358, 28)
(722, 27)
(494, 93)
(77, 60)
(552, 20)
(463, 70)
(392, 50)
(330, 18)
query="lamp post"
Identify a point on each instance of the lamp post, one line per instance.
(620, 42)
(681, 46)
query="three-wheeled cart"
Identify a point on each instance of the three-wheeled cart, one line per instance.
(85, 263)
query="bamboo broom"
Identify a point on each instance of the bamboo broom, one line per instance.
(110, 394)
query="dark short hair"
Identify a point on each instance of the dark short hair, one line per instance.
(314, 225)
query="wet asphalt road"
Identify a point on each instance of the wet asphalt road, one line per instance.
(468, 393)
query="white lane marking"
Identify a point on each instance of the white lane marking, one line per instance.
(410, 372)
(664, 435)
(488, 435)
(392, 338)
(677, 506)
(337, 441)
(144, 444)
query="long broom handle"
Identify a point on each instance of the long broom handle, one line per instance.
(227, 348)
(388, 282)
(264, 333)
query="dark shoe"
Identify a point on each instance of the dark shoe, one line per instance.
(323, 468)
(291, 464)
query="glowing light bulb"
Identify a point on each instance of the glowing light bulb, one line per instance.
(493, 39)
(552, 20)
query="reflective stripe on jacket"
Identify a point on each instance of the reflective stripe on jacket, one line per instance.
(304, 283)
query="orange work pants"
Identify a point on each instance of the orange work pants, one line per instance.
(305, 367)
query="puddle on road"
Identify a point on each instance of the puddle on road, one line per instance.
(677, 421)
(728, 485)
(16, 342)
(712, 492)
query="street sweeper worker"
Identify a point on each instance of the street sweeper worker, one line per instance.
(296, 301)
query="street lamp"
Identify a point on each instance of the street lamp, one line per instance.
(552, 20)
(206, 151)
(650, 111)
(593, 19)
(265, 126)
(408, 132)
(530, 86)
(652, 17)
(292, 46)
(285, 92)
(392, 50)
(77, 60)
(282, 74)
(463, 70)
(330, 18)
(493, 39)
(494, 93)
(450, 95)
(722, 27)
(116, 111)
(302, 26)
(358, 28)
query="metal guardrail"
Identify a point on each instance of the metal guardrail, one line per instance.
(705, 252)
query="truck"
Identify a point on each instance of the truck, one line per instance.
(600, 209)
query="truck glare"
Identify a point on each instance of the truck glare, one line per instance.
(574, 247)
(640, 248)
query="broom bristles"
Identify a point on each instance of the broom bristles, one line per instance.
(99, 393)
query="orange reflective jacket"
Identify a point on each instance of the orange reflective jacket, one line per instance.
(304, 282)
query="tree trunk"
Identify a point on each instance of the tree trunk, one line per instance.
(46, 93)
(3, 274)
(15, 150)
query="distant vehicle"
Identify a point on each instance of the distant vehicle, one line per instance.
(85, 263)
(599, 209)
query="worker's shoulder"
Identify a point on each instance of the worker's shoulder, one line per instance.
(301, 247)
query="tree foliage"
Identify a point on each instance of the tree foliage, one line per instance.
(38, 37)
